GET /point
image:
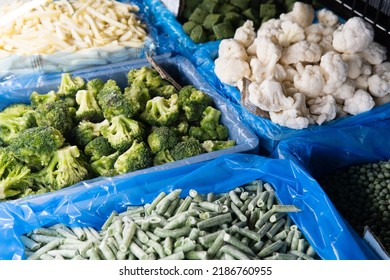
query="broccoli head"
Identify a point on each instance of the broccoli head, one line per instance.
(188, 148)
(166, 90)
(181, 128)
(210, 128)
(89, 108)
(113, 102)
(215, 145)
(97, 148)
(95, 86)
(86, 131)
(70, 85)
(193, 102)
(122, 132)
(54, 114)
(162, 157)
(146, 76)
(160, 111)
(162, 138)
(137, 98)
(137, 157)
(14, 176)
(35, 146)
(37, 99)
(66, 167)
(104, 166)
(14, 119)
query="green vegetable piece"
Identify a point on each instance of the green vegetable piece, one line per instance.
(211, 20)
(146, 76)
(241, 4)
(189, 7)
(98, 148)
(198, 34)
(86, 131)
(234, 18)
(216, 145)
(137, 97)
(193, 102)
(137, 157)
(268, 10)
(186, 149)
(70, 85)
(210, 6)
(37, 99)
(188, 26)
(89, 108)
(226, 8)
(252, 15)
(198, 15)
(162, 157)
(162, 138)
(223, 30)
(160, 111)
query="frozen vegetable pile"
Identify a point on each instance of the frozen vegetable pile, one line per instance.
(362, 195)
(246, 223)
(302, 73)
(211, 20)
(88, 129)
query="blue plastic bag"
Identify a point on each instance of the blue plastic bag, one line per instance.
(90, 203)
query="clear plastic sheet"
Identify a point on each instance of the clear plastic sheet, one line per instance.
(35, 65)
(91, 202)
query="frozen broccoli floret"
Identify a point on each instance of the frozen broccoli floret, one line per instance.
(66, 167)
(14, 119)
(86, 131)
(97, 148)
(162, 138)
(70, 85)
(54, 114)
(37, 99)
(193, 102)
(137, 157)
(188, 148)
(210, 128)
(146, 76)
(95, 86)
(14, 176)
(166, 90)
(182, 128)
(35, 146)
(160, 111)
(104, 166)
(162, 157)
(215, 145)
(122, 132)
(88, 108)
(112, 101)
(137, 98)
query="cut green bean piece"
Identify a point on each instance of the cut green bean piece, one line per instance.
(310, 251)
(166, 201)
(175, 256)
(238, 244)
(216, 245)
(177, 221)
(210, 197)
(188, 245)
(196, 255)
(264, 229)
(233, 251)
(93, 254)
(29, 243)
(157, 247)
(210, 206)
(282, 256)
(275, 228)
(108, 222)
(168, 245)
(49, 246)
(172, 208)
(235, 199)
(215, 221)
(284, 208)
(128, 234)
(64, 253)
(270, 199)
(294, 242)
(300, 254)
(141, 235)
(282, 235)
(196, 196)
(173, 233)
(246, 233)
(238, 213)
(46, 231)
(46, 257)
(138, 252)
(184, 205)
(206, 240)
(155, 202)
(301, 245)
(268, 250)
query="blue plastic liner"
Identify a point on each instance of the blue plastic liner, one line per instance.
(172, 37)
(90, 203)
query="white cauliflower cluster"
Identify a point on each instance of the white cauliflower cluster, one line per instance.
(306, 73)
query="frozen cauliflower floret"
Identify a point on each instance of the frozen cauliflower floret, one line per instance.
(291, 72)
(267, 51)
(231, 70)
(296, 117)
(302, 13)
(271, 29)
(245, 34)
(334, 70)
(379, 83)
(231, 48)
(345, 91)
(291, 33)
(309, 80)
(269, 96)
(302, 51)
(361, 82)
(327, 17)
(375, 53)
(261, 71)
(323, 108)
(326, 43)
(354, 63)
(314, 33)
(360, 102)
(353, 36)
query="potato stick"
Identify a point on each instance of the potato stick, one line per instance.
(106, 19)
(93, 26)
(68, 6)
(23, 9)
